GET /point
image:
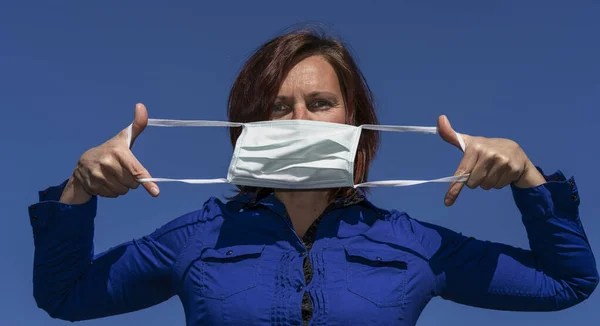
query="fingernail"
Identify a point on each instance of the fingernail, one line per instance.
(154, 191)
(447, 201)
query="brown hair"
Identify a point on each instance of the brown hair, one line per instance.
(254, 91)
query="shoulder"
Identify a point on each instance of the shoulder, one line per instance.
(372, 212)
(429, 238)
(208, 212)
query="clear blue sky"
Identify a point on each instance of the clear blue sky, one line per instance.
(71, 73)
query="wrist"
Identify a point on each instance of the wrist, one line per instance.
(74, 193)
(530, 178)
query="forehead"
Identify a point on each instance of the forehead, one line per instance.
(311, 74)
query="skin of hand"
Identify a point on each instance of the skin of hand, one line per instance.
(491, 163)
(110, 170)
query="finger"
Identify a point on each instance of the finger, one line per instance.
(110, 166)
(480, 171)
(103, 191)
(126, 178)
(507, 178)
(449, 135)
(137, 171)
(101, 182)
(93, 183)
(121, 173)
(115, 186)
(140, 121)
(494, 175)
(466, 166)
(112, 180)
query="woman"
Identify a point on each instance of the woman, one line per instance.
(324, 256)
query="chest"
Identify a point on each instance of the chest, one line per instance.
(355, 280)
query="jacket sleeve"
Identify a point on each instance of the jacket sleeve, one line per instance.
(557, 272)
(71, 283)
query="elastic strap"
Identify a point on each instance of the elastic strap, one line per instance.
(423, 130)
(183, 123)
(405, 183)
(190, 181)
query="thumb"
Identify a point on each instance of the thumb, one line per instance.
(449, 135)
(140, 121)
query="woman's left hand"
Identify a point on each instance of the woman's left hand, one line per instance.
(491, 162)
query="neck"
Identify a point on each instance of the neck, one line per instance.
(304, 206)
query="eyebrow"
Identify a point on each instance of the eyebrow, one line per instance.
(310, 95)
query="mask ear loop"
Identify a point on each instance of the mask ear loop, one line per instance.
(183, 123)
(209, 123)
(404, 183)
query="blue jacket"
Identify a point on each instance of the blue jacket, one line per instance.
(238, 263)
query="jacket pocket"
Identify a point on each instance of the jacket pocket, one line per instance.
(377, 274)
(230, 270)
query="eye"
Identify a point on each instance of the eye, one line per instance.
(321, 104)
(278, 108)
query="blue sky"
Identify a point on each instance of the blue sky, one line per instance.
(71, 73)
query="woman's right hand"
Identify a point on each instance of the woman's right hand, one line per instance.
(111, 169)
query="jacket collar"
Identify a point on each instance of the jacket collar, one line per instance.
(271, 202)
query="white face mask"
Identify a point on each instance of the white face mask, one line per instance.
(296, 154)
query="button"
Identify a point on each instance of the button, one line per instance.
(574, 196)
(34, 218)
(229, 252)
(32, 208)
(300, 288)
(45, 193)
(572, 183)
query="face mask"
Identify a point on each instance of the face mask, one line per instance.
(296, 154)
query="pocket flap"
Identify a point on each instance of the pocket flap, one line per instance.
(233, 252)
(381, 254)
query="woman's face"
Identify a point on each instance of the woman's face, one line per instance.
(311, 91)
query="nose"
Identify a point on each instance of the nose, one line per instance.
(300, 112)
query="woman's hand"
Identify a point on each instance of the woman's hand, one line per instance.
(110, 169)
(491, 162)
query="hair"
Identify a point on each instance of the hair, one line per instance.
(255, 90)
